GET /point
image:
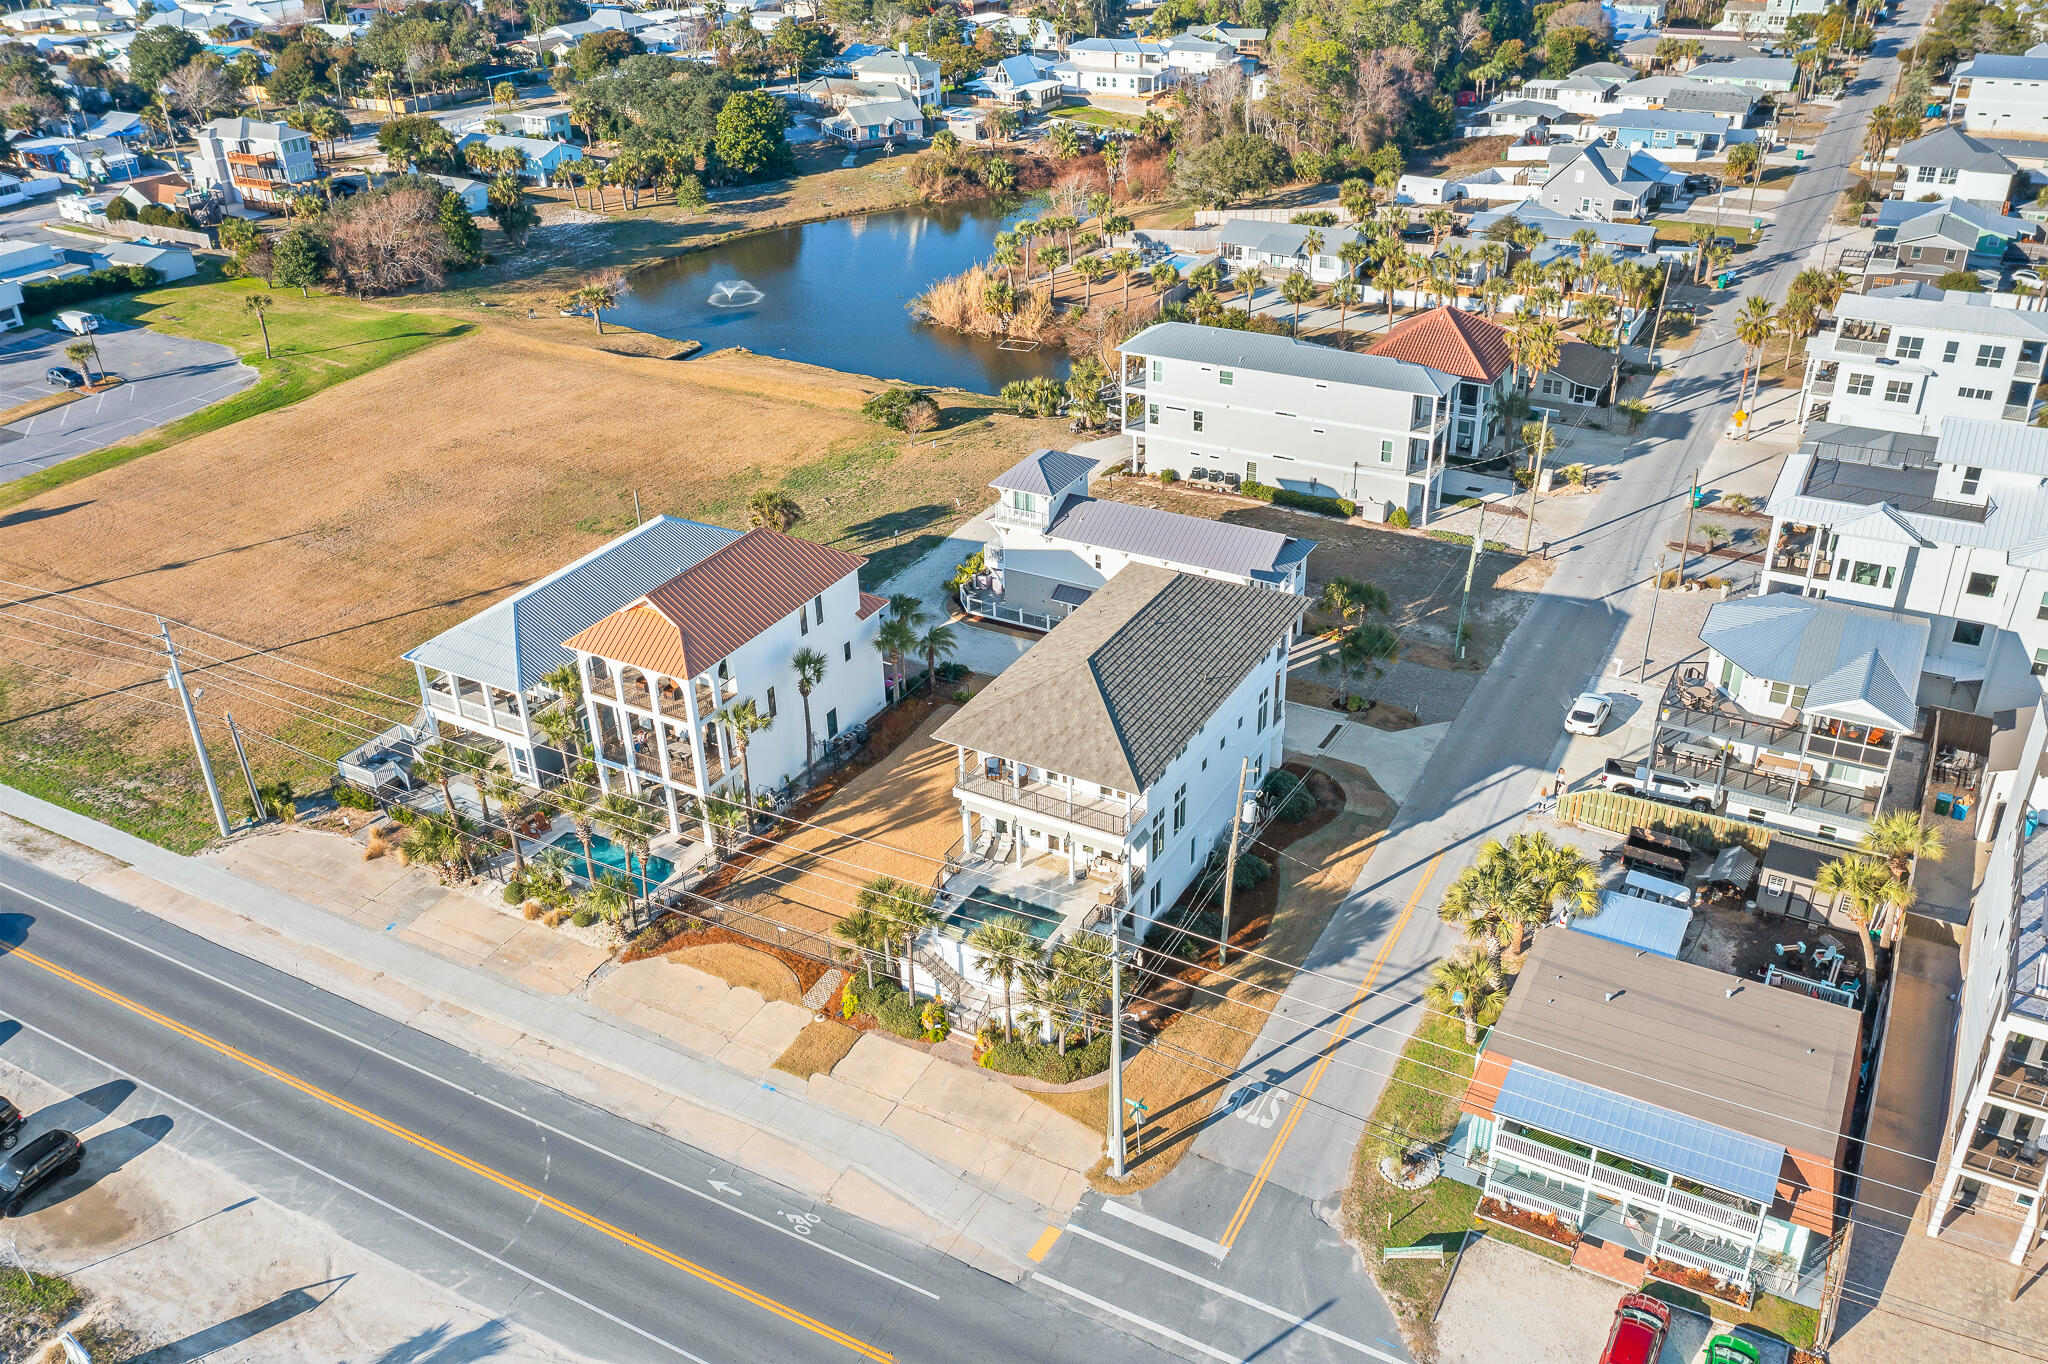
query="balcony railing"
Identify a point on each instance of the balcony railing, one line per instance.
(1649, 1194)
(1796, 561)
(1720, 721)
(1855, 346)
(1053, 801)
(1527, 1191)
(2024, 1084)
(2027, 369)
(2016, 412)
(991, 606)
(1822, 388)
(1716, 1257)
(1769, 789)
(2005, 1158)
(1714, 1213)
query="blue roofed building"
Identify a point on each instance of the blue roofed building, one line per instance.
(1049, 545)
(1665, 1119)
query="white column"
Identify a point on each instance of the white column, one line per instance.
(697, 757)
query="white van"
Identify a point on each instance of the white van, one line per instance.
(78, 323)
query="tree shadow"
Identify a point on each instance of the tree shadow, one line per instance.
(23, 517)
(104, 1155)
(84, 1109)
(893, 524)
(436, 1345)
(247, 1326)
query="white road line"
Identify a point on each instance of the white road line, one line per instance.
(1166, 1229)
(1210, 1284)
(1144, 1323)
(443, 1080)
(335, 1179)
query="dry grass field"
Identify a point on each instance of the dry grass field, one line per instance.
(349, 526)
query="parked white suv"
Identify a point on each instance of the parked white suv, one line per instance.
(1631, 779)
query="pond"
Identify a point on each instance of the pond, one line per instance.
(836, 294)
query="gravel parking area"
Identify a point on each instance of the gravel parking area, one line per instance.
(165, 378)
(1508, 1303)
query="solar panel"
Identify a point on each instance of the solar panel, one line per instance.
(1685, 1146)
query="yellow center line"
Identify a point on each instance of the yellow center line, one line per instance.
(616, 1233)
(1315, 1075)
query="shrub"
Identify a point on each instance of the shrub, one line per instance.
(584, 916)
(47, 295)
(650, 939)
(350, 798)
(1287, 497)
(515, 891)
(553, 918)
(404, 815)
(1168, 477)
(1399, 520)
(1315, 217)
(1575, 475)
(531, 910)
(1451, 537)
(156, 215)
(952, 672)
(892, 406)
(1290, 797)
(935, 1021)
(1043, 1061)
(119, 210)
(1251, 870)
(897, 1012)
(962, 695)
(375, 846)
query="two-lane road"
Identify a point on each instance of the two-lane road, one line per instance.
(605, 1236)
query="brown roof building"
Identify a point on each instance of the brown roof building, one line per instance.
(1711, 1110)
(1450, 341)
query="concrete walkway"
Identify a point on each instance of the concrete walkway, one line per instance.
(777, 1128)
(1393, 758)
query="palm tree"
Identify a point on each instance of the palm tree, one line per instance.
(1465, 986)
(1360, 650)
(1746, 163)
(1297, 289)
(940, 641)
(495, 783)
(1348, 597)
(867, 935)
(1345, 296)
(579, 800)
(1439, 220)
(1164, 276)
(1486, 899)
(1754, 326)
(1700, 236)
(1005, 951)
(906, 908)
(775, 509)
(1387, 281)
(1026, 229)
(1902, 840)
(897, 639)
(1125, 263)
(259, 304)
(1871, 896)
(1091, 270)
(437, 762)
(1082, 966)
(1558, 874)
(809, 666)
(562, 730)
(82, 354)
(632, 827)
(1007, 255)
(743, 720)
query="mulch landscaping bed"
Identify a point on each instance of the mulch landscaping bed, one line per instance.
(1528, 1223)
(1171, 980)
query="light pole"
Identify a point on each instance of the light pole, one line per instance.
(1656, 595)
(175, 680)
(1116, 1044)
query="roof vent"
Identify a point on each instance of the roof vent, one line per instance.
(1613, 995)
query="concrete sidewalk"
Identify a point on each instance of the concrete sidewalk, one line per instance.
(778, 1128)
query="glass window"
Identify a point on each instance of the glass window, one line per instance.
(1226, 377)
(1151, 413)
(1198, 419)
(1158, 370)
(2040, 667)
(1386, 452)
(1948, 175)
(1898, 390)
(1982, 585)
(832, 723)
(1968, 633)
(1860, 385)
(1890, 575)
(1785, 694)
(1972, 475)
(1990, 357)
(1908, 347)
(803, 622)
(1979, 394)
(1949, 351)
(771, 703)
(848, 654)
(1865, 575)
(1180, 808)
(2042, 612)
(818, 603)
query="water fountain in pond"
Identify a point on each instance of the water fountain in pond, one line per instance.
(735, 293)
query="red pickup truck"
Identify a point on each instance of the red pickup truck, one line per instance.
(1640, 1325)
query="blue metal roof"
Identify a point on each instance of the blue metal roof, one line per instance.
(1635, 921)
(1627, 1127)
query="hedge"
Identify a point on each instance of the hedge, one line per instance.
(1451, 537)
(1043, 1061)
(46, 295)
(1284, 497)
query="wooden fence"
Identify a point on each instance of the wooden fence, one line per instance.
(1617, 813)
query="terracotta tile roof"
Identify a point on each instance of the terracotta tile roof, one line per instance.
(869, 604)
(1449, 341)
(685, 626)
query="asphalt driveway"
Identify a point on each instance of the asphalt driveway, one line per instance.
(167, 377)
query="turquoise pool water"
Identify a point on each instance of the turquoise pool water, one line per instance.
(1038, 921)
(611, 858)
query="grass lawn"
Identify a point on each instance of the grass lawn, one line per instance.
(1099, 118)
(819, 1047)
(1679, 230)
(1420, 1103)
(316, 343)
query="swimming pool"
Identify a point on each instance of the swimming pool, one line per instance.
(611, 860)
(988, 904)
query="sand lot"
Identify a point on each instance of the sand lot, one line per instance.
(350, 526)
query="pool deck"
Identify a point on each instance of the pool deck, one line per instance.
(1042, 882)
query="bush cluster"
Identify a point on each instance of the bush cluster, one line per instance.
(353, 798)
(1399, 520)
(892, 406)
(888, 1003)
(1289, 796)
(1287, 497)
(1043, 1061)
(1451, 537)
(46, 295)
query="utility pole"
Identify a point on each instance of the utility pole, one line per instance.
(1656, 595)
(255, 796)
(636, 507)
(1116, 1044)
(1471, 565)
(1244, 766)
(1692, 497)
(1658, 321)
(1535, 474)
(176, 681)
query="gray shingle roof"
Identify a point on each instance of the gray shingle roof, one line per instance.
(1856, 663)
(1952, 148)
(517, 642)
(1044, 472)
(1195, 541)
(1281, 355)
(1121, 685)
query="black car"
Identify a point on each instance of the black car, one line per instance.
(10, 1123)
(1699, 184)
(63, 376)
(38, 1161)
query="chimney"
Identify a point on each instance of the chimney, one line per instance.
(903, 48)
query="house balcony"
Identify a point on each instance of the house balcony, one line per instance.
(1797, 551)
(2027, 369)
(1700, 710)
(2021, 1083)
(634, 691)
(2017, 412)
(1050, 799)
(1534, 1193)
(1723, 1259)
(1432, 421)
(2006, 1158)
(987, 596)
(1872, 346)
(254, 160)
(1718, 1212)
(1781, 790)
